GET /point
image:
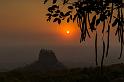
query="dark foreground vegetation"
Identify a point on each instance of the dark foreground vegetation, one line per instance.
(113, 73)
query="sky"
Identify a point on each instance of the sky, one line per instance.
(24, 30)
(24, 23)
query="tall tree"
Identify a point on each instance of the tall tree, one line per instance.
(91, 13)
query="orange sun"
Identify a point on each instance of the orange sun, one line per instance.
(68, 32)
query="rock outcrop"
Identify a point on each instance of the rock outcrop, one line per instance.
(46, 61)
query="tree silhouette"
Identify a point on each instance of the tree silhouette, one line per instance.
(91, 13)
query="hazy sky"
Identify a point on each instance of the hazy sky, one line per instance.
(24, 30)
(23, 24)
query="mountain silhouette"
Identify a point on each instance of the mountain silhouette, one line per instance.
(47, 61)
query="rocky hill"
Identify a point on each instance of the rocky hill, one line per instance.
(47, 61)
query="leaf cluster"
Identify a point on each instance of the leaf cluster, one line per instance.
(92, 13)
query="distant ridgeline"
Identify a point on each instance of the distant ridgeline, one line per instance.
(47, 61)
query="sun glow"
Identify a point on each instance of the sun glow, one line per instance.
(68, 32)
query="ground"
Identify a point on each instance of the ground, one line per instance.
(112, 73)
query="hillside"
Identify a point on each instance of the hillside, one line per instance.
(112, 73)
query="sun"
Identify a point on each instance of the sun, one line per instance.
(68, 32)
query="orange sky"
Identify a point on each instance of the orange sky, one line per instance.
(24, 23)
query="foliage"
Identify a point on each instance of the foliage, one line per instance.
(91, 13)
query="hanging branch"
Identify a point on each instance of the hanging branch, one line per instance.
(96, 49)
(121, 32)
(103, 55)
(80, 11)
(108, 36)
